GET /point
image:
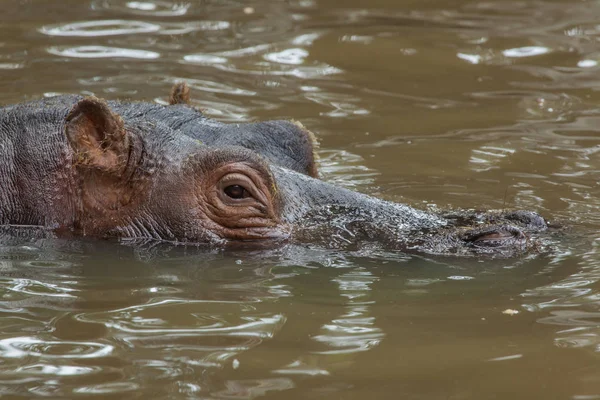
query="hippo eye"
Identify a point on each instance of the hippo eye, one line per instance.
(236, 192)
(240, 200)
(238, 187)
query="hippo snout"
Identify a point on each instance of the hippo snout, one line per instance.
(528, 219)
(503, 233)
(507, 230)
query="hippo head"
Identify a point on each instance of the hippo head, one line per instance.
(145, 180)
(138, 177)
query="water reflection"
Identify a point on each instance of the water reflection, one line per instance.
(572, 302)
(100, 28)
(350, 333)
(101, 322)
(102, 52)
(147, 8)
(251, 389)
(355, 330)
(21, 347)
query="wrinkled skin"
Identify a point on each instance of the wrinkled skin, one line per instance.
(85, 167)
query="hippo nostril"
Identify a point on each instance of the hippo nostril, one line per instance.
(493, 236)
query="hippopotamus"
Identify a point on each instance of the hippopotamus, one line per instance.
(86, 167)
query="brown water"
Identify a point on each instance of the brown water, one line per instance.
(450, 103)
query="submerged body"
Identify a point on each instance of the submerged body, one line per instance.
(85, 167)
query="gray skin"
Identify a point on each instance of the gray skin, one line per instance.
(85, 167)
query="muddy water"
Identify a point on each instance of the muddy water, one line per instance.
(486, 104)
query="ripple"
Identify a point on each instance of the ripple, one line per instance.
(288, 56)
(422, 282)
(433, 103)
(471, 58)
(11, 65)
(104, 388)
(587, 63)
(100, 28)
(216, 87)
(345, 169)
(39, 288)
(528, 51)
(26, 346)
(254, 388)
(225, 111)
(507, 358)
(148, 8)
(460, 278)
(302, 72)
(341, 106)
(357, 39)
(301, 368)
(251, 61)
(102, 52)
(56, 370)
(577, 338)
(196, 333)
(355, 330)
(158, 8)
(188, 27)
(45, 264)
(485, 157)
(156, 318)
(245, 51)
(548, 105)
(479, 55)
(204, 59)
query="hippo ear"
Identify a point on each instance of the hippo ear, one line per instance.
(180, 94)
(97, 135)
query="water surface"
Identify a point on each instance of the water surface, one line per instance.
(483, 104)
